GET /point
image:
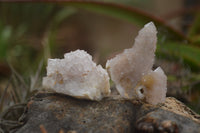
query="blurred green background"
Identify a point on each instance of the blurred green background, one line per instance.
(30, 33)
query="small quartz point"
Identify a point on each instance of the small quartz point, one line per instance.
(128, 68)
(152, 87)
(78, 76)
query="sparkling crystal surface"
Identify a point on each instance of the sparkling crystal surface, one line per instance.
(128, 68)
(155, 86)
(77, 75)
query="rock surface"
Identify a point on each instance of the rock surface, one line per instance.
(58, 113)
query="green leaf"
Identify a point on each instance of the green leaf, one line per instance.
(195, 27)
(4, 41)
(130, 14)
(62, 15)
(189, 53)
(194, 30)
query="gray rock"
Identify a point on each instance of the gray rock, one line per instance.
(57, 113)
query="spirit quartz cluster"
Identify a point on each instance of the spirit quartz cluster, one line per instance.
(77, 75)
(131, 71)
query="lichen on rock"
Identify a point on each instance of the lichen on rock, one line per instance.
(77, 75)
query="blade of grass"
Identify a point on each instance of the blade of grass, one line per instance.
(189, 54)
(9, 123)
(34, 79)
(181, 12)
(19, 86)
(4, 93)
(15, 92)
(130, 14)
(12, 108)
(5, 35)
(18, 76)
(1, 130)
(194, 33)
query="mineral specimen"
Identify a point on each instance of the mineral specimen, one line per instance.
(131, 70)
(152, 87)
(77, 75)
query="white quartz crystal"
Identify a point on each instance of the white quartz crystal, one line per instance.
(152, 87)
(77, 75)
(129, 68)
